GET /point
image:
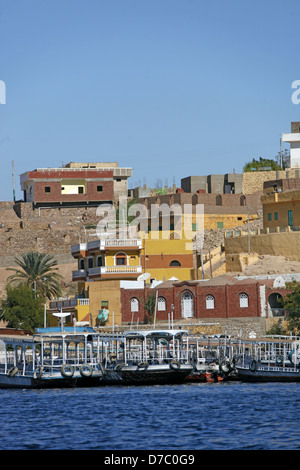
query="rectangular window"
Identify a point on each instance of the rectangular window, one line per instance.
(47, 189)
(269, 217)
(290, 218)
(99, 189)
(220, 224)
(104, 304)
(275, 215)
(80, 190)
(194, 227)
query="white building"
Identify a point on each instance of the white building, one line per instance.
(294, 140)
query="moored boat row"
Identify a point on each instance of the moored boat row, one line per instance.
(71, 357)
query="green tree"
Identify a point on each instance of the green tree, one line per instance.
(261, 162)
(39, 272)
(150, 305)
(277, 329)
(291, 303)
(21, 309)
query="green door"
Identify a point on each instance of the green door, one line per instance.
(290, 215)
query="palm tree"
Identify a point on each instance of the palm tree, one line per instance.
(39, 272)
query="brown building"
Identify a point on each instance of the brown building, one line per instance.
(281, 203)
(221, 297)
(75, 184)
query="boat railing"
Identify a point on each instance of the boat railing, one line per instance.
(158, 356)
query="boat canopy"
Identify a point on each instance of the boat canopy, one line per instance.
(167, 334)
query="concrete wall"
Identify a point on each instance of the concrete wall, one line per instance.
(275, 244)
(253, 181)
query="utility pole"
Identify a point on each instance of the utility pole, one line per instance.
(248, 230)
(13, 176)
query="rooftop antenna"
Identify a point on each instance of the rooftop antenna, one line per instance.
(13, 176)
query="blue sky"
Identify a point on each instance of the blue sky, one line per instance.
(171, 88)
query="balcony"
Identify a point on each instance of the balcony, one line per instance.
(78, 275)
(106, 243)
(67, 303)
(103, 271)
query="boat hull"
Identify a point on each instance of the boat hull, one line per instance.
(57, 381)
(151, 375)
(268, 375)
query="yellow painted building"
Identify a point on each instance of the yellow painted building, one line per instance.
(103, 264)
(281, 209)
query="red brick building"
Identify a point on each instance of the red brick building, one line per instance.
(221, 297)
(75, 184)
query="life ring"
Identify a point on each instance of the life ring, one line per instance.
(290, 356)
(67, 370)
(225, 367)
(101, 368)
(253, 365)
(175, 365)
(13, 371)
(119, 366)
(86, 370)
(279, 360)
(142, 365)
(38, 372)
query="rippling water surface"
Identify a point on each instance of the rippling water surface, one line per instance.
(221, 416)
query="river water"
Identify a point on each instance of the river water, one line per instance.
(194, 416)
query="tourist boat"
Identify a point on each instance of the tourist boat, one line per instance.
(270, 361)
(146, 357)
(50, 358)
(211, 359)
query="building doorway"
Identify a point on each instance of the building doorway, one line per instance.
(275, 305)
(187, 305)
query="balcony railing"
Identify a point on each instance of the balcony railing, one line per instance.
(108, 242)
(103, 270)
(80, 273)
(67, 303)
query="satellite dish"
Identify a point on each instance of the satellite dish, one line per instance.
(61, 314)
(143, 277)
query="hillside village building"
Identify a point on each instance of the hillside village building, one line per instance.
(221, 297)
(104, 264)
(281, 203)
(293, 138)
(75, 184)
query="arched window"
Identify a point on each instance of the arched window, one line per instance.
(161, 304)
(174, 262)
(210, 301)
(244, 300)
(134, 304)
(81, 263)
(121, 259)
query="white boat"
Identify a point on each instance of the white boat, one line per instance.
(146, 357)
(270, 361)
(50, 358)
